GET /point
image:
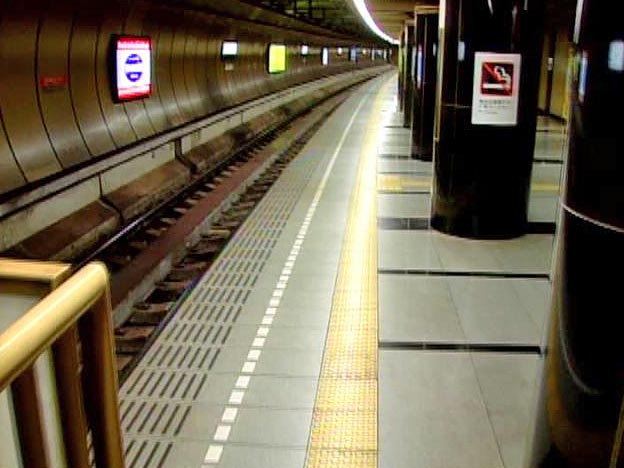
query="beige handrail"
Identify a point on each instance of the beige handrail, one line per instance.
(80, 303)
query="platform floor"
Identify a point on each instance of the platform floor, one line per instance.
(232, 381)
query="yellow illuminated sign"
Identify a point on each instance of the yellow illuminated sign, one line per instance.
(277, 58)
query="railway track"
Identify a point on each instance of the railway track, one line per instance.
(147, 317)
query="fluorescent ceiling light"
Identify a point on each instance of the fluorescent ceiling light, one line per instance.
(368, 19)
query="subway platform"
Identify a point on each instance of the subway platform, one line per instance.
(338, 330)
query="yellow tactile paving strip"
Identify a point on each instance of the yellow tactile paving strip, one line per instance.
(344, 422)
(397, 183)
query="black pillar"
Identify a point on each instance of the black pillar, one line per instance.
(426, 44)
(401, 79)
(408, 85)
(580, 406)
(483, 148)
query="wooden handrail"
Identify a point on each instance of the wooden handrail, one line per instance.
(82, 303)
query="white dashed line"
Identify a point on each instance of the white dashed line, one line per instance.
(222, 433)
(229, 415)
(236, 397)
(242, 381)
(248, 367)
(213, 454)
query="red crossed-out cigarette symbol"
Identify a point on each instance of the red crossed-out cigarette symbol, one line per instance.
(498, 79)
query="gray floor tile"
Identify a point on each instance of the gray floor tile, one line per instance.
(293, 362)
(458, 254)
(415, 308)
(217, 388)
(508, 385)
(396, 149)
(231, 358)
(278, 428)
(407, 249)
(281, 392)
(543, 208)
(241, 335)
(295, 337)
(546, 173)
(400, 139)
(549, 145)
(490, 311)
(280, 336)
(306, 300)
(402, 165)
(527, 254)
(431, 413)
(535, 297)
(202, 421)
(239, 456)
(313, 315)
(185, 454)
(403, 206)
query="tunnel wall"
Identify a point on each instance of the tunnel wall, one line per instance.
(50, 130)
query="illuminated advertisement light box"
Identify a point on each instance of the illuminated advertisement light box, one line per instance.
(305, 49)
(339, 50)
(132, 68)
(277, 58)
(325, 56)
(353, 54)
(229, 49)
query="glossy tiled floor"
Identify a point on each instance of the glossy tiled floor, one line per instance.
(442, 403)
(232, 380)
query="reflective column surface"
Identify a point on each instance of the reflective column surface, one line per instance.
(426, 44)
(484, 149)
(408, 78)
(579, 412)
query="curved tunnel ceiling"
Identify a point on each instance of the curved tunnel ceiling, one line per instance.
(339, 16)
(342, 16)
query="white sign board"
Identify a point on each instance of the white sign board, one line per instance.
(496, 89)
(134, 67)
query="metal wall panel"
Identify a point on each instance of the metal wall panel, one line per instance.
(139, 119)
(201, 73)
(18, 92)
(162, 69)
(177, 68)
(217, 76)
(55, 98)
(11, 176)
(49, 130)
(188, 67)
(83, 84)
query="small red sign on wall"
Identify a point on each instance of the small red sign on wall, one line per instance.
(53, 82)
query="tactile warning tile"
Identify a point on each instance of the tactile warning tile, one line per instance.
(345, 430)
(395, 183)
(344, 422)
(345, 394)
(342, 458)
